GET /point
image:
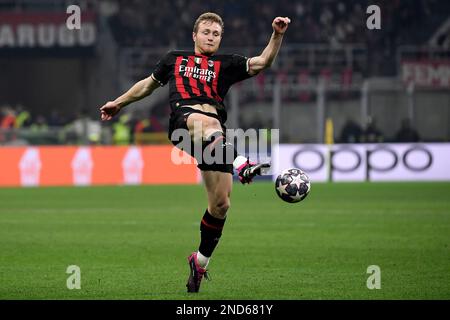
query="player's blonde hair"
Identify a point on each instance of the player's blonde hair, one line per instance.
(208, 16)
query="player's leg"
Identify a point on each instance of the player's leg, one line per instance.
(218, 187)
(208, 130)
(201, 126)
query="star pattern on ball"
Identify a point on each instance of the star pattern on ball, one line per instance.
(282, 189)
(298, 181)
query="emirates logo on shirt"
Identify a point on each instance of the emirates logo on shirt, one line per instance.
(197, 73)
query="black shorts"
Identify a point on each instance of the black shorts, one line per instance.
(178, 120)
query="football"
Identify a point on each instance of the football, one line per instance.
(292, 185)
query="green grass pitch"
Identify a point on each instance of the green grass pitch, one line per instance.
(133, 242)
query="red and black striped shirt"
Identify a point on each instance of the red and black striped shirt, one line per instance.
(195, 78)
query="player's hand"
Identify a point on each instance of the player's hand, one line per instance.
(109, 110)
(280, 24)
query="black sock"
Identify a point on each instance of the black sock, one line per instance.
(210, 232)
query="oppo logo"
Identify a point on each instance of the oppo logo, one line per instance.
(347, 159)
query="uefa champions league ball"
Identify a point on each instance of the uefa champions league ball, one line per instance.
(292, 185)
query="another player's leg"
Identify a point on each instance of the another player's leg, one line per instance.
(218, 186)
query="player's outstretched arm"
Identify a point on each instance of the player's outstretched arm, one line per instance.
(264, 61)
(138, 91)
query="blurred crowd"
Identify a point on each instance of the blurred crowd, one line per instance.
(248, 23)
(19, 126)
(136, 23)
(352, 132)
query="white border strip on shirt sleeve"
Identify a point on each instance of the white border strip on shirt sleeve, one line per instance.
(159, 82)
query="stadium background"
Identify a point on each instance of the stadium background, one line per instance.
(351, 104)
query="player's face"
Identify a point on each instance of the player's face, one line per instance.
(208, 37)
